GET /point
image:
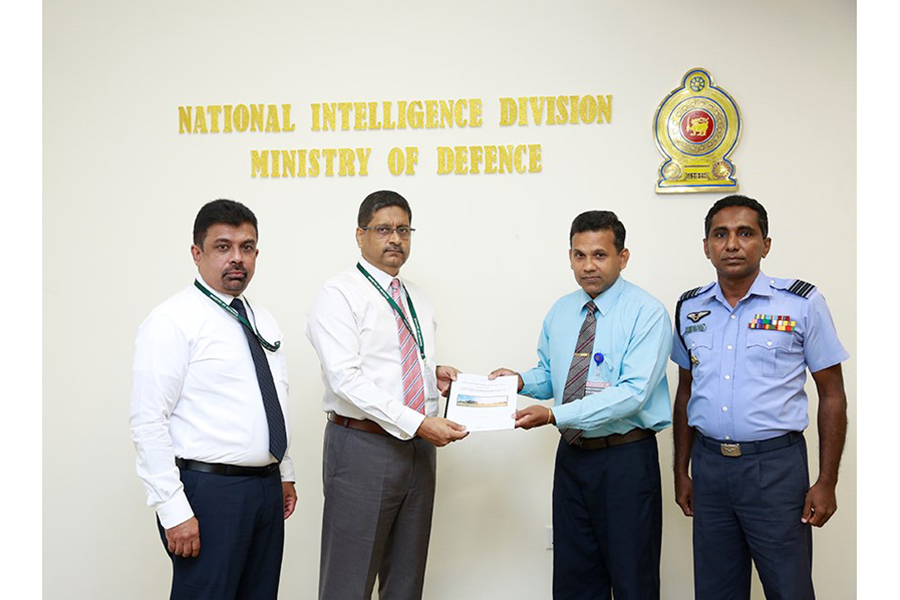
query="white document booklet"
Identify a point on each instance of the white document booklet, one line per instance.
(482, 404)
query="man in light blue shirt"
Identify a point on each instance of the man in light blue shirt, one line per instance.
(743, 345)
(602, 358)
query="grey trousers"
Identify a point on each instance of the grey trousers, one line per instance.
(379, 496)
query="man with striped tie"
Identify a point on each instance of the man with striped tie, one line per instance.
(602, 358)
(374, 334)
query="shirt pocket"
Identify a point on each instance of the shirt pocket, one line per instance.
(700, 347)
(278, 368)
(769, 352)
(607, 370)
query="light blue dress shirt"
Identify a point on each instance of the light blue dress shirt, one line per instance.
(748, 382)
(633, 335)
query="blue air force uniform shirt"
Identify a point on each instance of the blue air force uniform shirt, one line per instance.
(634, 335)
(748, 362)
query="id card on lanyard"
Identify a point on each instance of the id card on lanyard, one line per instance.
(598, 385)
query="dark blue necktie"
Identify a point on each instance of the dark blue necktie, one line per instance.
(274, 416)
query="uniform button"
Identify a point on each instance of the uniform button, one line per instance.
(728, 377)
(772, 281)
(727, 437)
(724, 409)
(728, 346)
(733, 317)
(769, 343)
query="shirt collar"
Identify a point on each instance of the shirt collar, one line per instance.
(760, 287)
(607, 299)
(383, 279)
(226, 298)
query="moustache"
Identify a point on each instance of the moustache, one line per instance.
(392, 248)
(230, 270)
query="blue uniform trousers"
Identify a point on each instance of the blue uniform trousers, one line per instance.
(607, 522)
(749, 507)
(241, 538)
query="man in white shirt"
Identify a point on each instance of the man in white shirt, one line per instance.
(374, 335)
(209, 420)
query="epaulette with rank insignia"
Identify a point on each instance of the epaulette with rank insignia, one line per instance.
(801, 288)
(690, 294)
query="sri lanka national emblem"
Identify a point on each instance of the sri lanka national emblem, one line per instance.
(696, 128)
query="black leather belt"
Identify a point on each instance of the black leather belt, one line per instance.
(736, 449)
(615, 439)
(369, 426)
(220, 469)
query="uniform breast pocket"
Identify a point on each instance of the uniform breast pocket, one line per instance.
(770, 353)
(700, 345)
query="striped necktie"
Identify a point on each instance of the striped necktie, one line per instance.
(413, 385)
(581, 363)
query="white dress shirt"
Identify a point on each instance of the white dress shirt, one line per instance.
(354, 331)
(196, 395)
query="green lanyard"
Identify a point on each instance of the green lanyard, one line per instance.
(420, 342)
(230, 310)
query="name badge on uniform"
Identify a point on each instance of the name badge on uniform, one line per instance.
(595, 387)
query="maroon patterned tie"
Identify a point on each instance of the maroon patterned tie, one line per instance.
(413, 385)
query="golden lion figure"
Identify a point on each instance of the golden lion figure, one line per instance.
(698, 126)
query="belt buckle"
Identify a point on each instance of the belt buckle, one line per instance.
(731, 450)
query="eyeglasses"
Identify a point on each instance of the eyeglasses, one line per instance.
(383, 231)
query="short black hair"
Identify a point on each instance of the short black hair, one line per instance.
(738, 200)
(378, 200)
(224, 211)
(598, 220)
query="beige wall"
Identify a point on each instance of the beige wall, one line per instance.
(121, 188)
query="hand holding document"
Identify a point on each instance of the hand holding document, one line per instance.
(483, 404)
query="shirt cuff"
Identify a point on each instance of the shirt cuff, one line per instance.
(824, 364)
(175, 511)
(682, 363)
(566, 415)
(409, 422)
(527, 383)
(287, 469)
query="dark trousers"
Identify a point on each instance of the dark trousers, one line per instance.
(379, 496)
(241, 538)
(607, 522)
(747, 508)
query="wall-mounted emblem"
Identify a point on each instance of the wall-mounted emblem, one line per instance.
(696, 128)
